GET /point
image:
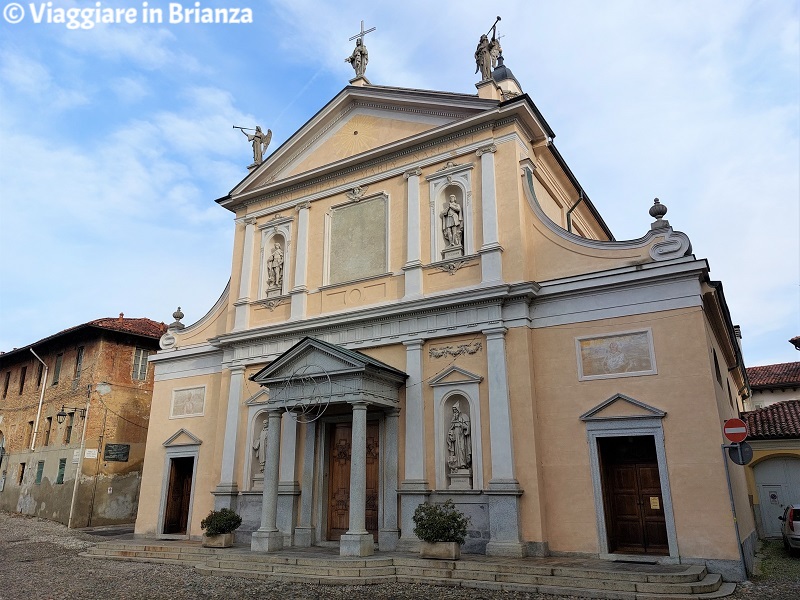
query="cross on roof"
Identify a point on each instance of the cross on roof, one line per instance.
(362, 33)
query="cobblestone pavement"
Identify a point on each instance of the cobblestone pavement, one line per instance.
(39, 561)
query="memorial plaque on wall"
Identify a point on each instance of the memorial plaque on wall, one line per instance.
(117, 452)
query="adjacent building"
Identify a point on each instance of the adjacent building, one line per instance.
(773, 383)
(425, 305)
(74, 407)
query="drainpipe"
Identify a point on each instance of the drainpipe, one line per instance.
(41, 400)
(574, 206)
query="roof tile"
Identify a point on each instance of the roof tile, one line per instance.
(782, 374)
(776, 421)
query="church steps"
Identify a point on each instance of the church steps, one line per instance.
(581, 578)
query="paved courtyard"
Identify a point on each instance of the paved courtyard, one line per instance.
(40, 560)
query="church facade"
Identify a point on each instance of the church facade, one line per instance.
(425, 305)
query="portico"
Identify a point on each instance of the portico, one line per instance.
(317, 382)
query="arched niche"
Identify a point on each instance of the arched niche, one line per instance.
(457, 387)
(453, 181)
(275, 255)
(256, 450)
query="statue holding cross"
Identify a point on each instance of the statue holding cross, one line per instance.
(360, 57)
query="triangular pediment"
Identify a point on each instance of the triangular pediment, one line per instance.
(357, 121)
(455, 375)
(260, 397)
(182, 437)
(620, 406)
(313, 358)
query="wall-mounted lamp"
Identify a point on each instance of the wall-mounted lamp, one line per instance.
(62, 414)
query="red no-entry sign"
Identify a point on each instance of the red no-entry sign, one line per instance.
(735, 430)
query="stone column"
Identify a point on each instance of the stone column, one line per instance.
(298, 291)
(358, 541)
(268, 538)
(227, 489)
(491, 263)
(389, 534)
(288, 487)
(503, 491)
(414, 489)
(413, 266)
(242, 314)
(304, 532)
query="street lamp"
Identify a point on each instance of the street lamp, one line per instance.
(62, 414)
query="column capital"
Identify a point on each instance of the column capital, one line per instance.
(412, 173)
(490, 149)
(249, 220)
(273, 413)
(303, 205)
(415, 344)
(236, 369)
(392, 412)
(359, 404)
(494, 332)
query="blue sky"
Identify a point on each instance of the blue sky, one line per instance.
(115, 140)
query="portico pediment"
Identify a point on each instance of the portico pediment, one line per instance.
(620, 406)
(316, 372)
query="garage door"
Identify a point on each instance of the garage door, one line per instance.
(778, 483)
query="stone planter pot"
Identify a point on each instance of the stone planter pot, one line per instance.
(223, 540)
(441, 550)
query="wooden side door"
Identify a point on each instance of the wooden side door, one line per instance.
(179, 492)
(340, 452)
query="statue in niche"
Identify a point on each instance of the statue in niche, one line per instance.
(359, 58)
(459, 447)
(275, 267)
(260, 447)
(452, 223)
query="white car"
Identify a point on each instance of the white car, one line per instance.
(791, 528)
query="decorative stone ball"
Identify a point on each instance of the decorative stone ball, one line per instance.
(658, 210)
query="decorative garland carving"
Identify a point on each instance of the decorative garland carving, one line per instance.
(357, 193)
(459, 350)
(453, 266)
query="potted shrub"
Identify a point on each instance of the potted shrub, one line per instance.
(442, 529)
(218, 528)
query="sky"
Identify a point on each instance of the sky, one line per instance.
(116, 138)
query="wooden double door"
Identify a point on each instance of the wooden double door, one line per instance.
(634, 505)
(340, 437)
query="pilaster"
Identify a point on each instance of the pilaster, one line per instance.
(389, 534)
(242, 309)
(413, 266)
(227, 488)
(490, 251)
(298, 292)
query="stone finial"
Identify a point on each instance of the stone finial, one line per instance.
(177, 315)
(657, 211)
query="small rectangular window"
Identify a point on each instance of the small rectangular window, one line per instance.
(29, 434)
(62, 464)
(139, 364)
(39, 472)
(21, 473)
(39, 375)
(716, 367)
(5, 385)
(68, 431)
(22, 374)
(48, 426)
(79, 362)
(57, 370)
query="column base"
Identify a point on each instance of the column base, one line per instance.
(266, 541)
(226, 497)
(356, 544)
(516, 549)
(387, 539)
(303, 537)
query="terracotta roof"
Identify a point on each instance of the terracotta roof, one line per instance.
(145, 327)
(780, 375)
(776, 421)
(141, 327)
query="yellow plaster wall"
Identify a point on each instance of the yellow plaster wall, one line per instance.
(683, 384)
(360, 133)
(206, 428)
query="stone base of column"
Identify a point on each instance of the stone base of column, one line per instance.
(266, 541)
(225, 497)
(516, 549)
(412, 494)
(387, 539)
(298, 307)
(491, 264)
(303, 537)
(356, 544)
